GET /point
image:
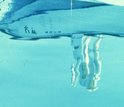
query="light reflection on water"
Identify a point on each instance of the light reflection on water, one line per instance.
(87, 66)
(36, 72)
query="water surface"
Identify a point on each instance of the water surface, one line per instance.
(37, 74)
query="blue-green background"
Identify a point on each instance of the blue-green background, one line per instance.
(37, 74)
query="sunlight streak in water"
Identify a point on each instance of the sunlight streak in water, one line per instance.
(87, 65)
(74, 76)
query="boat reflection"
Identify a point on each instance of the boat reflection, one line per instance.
(87, 65)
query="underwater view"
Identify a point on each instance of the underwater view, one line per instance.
(61, 53)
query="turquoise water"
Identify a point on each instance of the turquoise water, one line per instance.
(38, 74)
